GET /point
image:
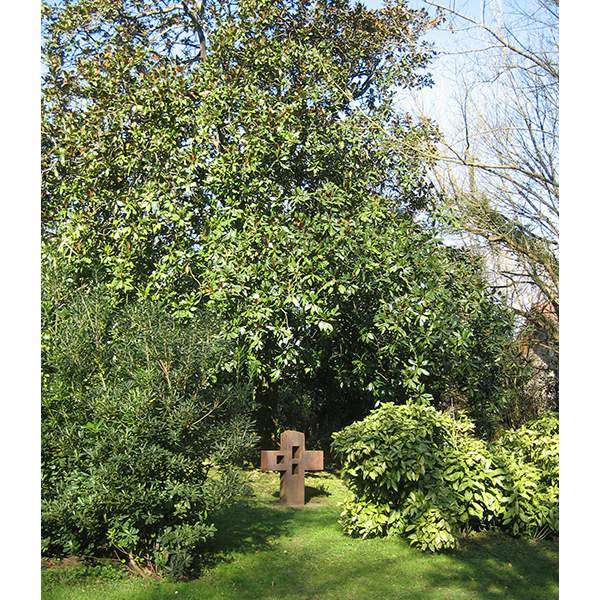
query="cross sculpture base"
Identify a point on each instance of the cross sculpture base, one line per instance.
(291, 460)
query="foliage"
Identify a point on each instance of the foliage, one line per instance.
(499, 168)
(141, 431)
(358, 308)
(529, 456)
(420, 473)
(246, 158)
(271, 122)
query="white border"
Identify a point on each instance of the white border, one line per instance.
(580, 300)
(20, 292)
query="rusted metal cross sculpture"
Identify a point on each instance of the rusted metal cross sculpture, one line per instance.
(291, 460)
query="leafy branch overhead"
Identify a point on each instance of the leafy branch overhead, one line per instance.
(273, 181)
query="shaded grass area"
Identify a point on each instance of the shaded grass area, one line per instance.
(265, 551)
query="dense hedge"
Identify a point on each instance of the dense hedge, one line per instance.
(420, 473)
(140, 434)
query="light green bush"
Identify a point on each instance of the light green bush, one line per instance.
(529, 456)
(420, 473)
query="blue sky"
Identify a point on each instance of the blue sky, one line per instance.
(441, 101)
(437, 102)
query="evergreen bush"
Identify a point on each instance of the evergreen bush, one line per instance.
(420, 473)
(141, 432)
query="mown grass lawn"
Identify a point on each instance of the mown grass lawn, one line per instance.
(272, 552)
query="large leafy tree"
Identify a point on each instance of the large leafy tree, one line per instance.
(147, 146)
(247, 155)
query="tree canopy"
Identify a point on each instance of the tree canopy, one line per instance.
(247, 157)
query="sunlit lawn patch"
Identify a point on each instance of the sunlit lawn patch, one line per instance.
(269, 552)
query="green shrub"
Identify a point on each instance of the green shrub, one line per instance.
(529, 456)
(420, 473)
(141, 431)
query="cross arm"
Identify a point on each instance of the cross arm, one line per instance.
(313, 460)
(273, 460)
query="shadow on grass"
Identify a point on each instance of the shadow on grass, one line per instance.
(247, 527)
(316, 492)
(497, 566)
(310, 492)
(493, 568)
(486, 566)
(271, 552)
